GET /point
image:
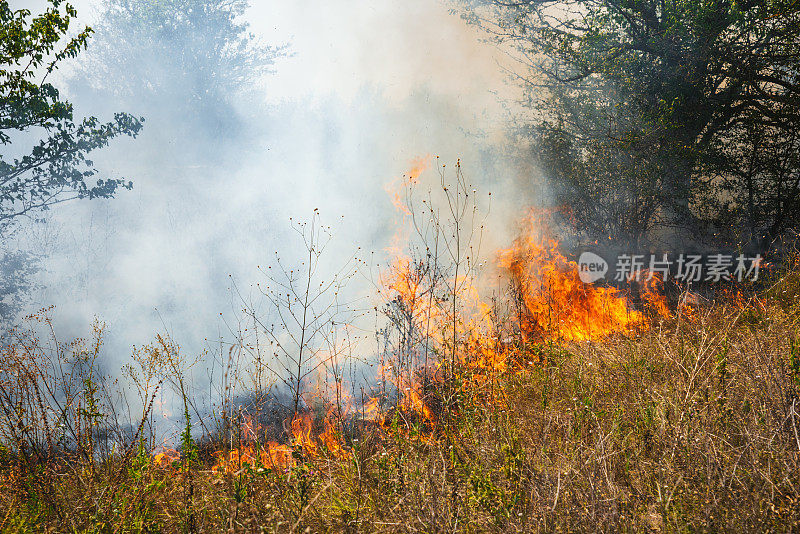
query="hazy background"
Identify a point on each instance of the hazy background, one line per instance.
(366, 88)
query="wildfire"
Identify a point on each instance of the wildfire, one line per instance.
(273, 455)
(331, 438)
(653, 294)
(555, 303)
(550, 302)
(166, 457)
(301, 432)
(372, 409)
(396, 188)
(270, 455)
(413, 403)
(465, 336)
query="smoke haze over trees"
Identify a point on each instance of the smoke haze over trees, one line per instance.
(251, 120)
(243, 132)
(192, 57)
(57, 168)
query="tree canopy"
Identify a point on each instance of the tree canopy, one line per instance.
(662, 112)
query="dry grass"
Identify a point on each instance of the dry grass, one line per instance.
(691, 426)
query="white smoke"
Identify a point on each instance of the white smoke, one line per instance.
(369, 86)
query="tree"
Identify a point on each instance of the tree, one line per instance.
(647, 109)
(57, 168)
(194, 56)
(16, 268)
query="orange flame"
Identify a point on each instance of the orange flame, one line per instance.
(270, 455)
(252, 453)
(653, 294)
(166, 457)
(371, 409)
(331, 438)
(553, 304)
(301, 431)
(556, 304)
(397, 187)
(414, 404)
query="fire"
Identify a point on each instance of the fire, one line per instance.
(552, 303)
(304, 440)
(371, 409)
(414, 404)
(301, 432)
(270, 455)
(469, 342)
(688, 309)
(330, 438)
(555, 303)
(251, 452)
(406, 283)
(166, 457)
(273, 455)
(396, 188)
(653, 294)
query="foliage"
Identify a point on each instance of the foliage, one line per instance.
(16, 268)
(57, 168)
(649, 112)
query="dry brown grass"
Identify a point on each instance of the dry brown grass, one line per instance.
(691, 426)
